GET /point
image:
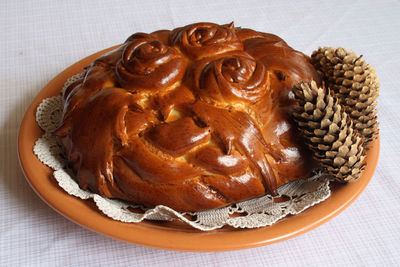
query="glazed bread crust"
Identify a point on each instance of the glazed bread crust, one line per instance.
(195, 118)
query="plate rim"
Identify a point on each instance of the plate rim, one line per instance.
(156, 235)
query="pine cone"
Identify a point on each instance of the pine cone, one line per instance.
(328, 131)
(355, 84)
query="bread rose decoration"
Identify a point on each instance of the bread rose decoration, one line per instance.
(148, 64)
(203, 39)
(232, 77)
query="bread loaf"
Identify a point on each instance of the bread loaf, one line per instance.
(195, 118)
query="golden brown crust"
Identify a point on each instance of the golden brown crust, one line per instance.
(194, 118)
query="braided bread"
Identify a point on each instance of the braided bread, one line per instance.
(194, 118)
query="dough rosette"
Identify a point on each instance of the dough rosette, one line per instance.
(232, 77)
(203, 39)
(148, 64)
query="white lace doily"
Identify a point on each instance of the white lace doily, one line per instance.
(258, 212)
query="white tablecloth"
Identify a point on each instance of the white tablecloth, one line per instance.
(41, 38)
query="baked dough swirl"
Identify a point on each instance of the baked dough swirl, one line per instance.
(198, 40)
(232, 77)
(148, 64)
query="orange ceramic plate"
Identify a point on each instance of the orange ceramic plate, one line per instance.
(169, 235)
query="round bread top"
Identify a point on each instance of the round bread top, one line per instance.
(194, 118)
